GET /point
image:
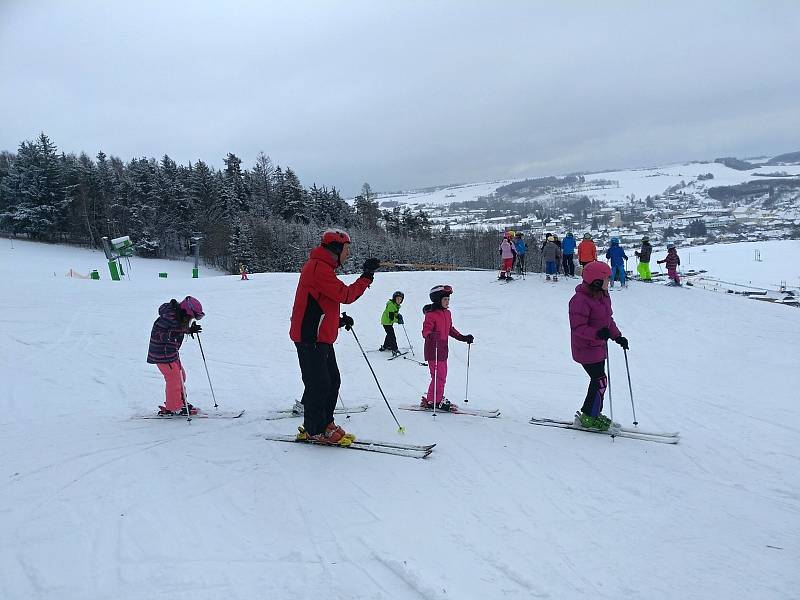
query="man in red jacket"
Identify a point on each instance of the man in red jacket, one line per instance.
(315, 327)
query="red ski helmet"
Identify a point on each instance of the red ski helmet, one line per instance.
(192, 307)
(596, 271)
(335, 236)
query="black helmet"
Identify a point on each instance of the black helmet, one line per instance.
(398, 293)
(438, 292)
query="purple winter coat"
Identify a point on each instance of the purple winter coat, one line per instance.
(587, 315)
(437, 328)
(166, 336)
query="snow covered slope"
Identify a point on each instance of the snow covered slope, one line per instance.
(639, 182)
(96, 505)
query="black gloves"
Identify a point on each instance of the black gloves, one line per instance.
(622, 341)
(603, 333)
(346, 322)
(399, 319)
(370, 266)
(194, 328)
(469, 338)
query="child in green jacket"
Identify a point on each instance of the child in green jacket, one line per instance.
(391, 315)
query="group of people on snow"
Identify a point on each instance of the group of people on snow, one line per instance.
(316, 320)
(558, 257)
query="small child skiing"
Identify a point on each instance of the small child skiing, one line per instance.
(522, 248)
(617, 257)
(166, 337)
(592, 325)
(568, 245)
(587, 251)
(436, 330)
(551, 255)
(243, 272)
(391, 315)
(644, 259)
(673, 261)
(507, 254)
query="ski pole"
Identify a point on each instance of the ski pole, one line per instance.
(610, 402)
(400, 428)
(435, 374)
(630, 389)
(466, 391)
(185, 399)
(205, 364)
(347, 414)
(408, 339)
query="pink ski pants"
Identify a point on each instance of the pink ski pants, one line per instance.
(175, 376)
(673, 274)
(439, 374)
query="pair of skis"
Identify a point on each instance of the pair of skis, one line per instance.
(626, 432)
(490, 414)
(288, 413)
(201, 414)
(396, 449)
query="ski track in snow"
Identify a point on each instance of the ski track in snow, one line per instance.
(97, 505)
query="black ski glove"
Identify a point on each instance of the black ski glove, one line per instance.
(399, 319)
(194, 328)
(622, 341)
(346, 322)
(469, 338)
(603, 333)
(370, 266)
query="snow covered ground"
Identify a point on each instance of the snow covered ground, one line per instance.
(737, 263)
(96, 505)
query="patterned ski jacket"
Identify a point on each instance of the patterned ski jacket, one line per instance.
(587, 315)
(315, 314)
(587, 251)
(166, 336)
(672, 259)
(437, 328)
(389, 316)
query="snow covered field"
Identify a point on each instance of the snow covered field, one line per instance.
(639, 182)
(737, 263)
(96, 505)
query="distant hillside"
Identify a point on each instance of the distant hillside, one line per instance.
(735, 163)
(790, 158)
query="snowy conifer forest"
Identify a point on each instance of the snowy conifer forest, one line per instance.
(260, 216)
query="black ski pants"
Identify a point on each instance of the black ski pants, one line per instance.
(390, 341)
(322, 380)
(593, 404)
(569, 265)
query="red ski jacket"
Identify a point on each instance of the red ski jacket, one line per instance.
(315, 314)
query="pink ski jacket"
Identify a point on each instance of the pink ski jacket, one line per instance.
(506, 250)
(437, 329)
(587, 315)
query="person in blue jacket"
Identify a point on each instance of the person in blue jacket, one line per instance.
(568, 245)
(617, 257)
(521, 247)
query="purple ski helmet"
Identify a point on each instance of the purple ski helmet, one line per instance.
(192, 307)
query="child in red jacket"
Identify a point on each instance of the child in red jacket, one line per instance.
(437, 329)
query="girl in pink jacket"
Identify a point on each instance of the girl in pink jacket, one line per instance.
(436, 329)
(592, 325)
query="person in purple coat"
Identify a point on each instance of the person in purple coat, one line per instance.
(173, 322)
(592, 325)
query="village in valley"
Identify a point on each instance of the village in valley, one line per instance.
(696, 203)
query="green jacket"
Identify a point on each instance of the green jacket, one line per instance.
(389, 316)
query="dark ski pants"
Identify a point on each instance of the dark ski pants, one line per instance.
(322, 380)
(390, 341)
(593, 404)
(569, 265)
(520, 263)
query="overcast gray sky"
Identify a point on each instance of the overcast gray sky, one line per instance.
(404, 93)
